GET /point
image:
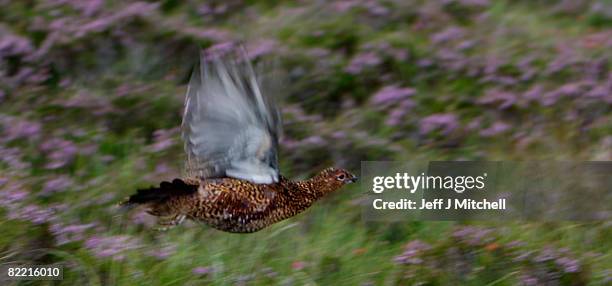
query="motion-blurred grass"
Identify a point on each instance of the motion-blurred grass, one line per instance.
(91, 96)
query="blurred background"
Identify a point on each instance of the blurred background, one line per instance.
(91, 95)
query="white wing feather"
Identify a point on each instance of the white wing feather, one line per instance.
(229, 127)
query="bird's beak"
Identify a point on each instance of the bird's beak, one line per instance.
(352, 179)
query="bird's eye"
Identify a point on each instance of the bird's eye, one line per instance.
(340, 177)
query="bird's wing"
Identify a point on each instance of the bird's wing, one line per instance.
(230, 126)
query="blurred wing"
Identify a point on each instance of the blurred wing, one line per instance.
(229, 127)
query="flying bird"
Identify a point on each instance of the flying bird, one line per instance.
(231, 128)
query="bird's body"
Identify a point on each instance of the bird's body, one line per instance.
(235, 205)
(232, 182)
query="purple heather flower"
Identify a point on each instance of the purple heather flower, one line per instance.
(502, 99)
(601, 92)
(57, 184)
(570, 89)
(472, 235)
(384, 48)
(412, 253)
(398, 113)
(392, 94)
(138, 8)
(261, 48)
(424, 63)
(319, 53)
(135, 9)
(219, 50)
(11, 193)
(32, 213)
(501, 80)
(202, 270)
(568, 265)
(525, 67)
(492, 65)
(395, 117)
(164, 139)
(12, 197)
(397, 54)
(467, 3)
(12, 157)
(362, 61)
(97, 25)
(522, 256)
(451, 59)
(60, 152)
(344, 5)
(107, 158)
(375, 8)
(69, 233)
(495, 129)
(269, 272)
(88, 7)
(447, 35)
(596, 69)
(529, 280)
(12, 45)
(314, 140)
(445, 122)
(163, 252)
(162, 168)
(338, 135)
(474, 124)
(242, 280)
(207, 10)
(535, 93)
(78, 227)
(515, 244)
(216, 35)
(85, 100)
(601, 7)
(111, 246)
(551, 97)
(465, 45)
(564, 59)
(15, 128)
(545, 254)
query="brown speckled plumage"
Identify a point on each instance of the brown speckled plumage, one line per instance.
(231, 128)
(235, 205)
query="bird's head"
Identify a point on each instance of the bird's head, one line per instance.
(332, 179)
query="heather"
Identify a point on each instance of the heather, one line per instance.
(91, 96)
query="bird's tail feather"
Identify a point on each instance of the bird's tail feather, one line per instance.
(159, 194)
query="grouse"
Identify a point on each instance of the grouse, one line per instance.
(231, 128)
